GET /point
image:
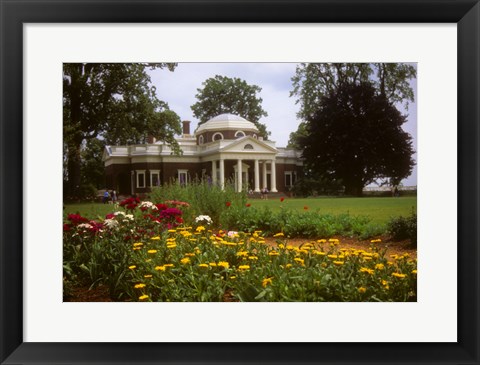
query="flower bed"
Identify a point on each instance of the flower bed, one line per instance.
(148, 253)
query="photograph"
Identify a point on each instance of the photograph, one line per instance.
(239, 182)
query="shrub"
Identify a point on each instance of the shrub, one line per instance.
(204, 198)
(401, 228)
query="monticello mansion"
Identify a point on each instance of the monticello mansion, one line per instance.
(225, 149)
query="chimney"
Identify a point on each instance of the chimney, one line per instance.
(150, 139)
(186, 127)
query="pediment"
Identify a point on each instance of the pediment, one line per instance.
(249, 145)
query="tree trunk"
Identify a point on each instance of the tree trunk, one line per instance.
(74, 168)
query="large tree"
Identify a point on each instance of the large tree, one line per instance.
(312, 81)
(114, 102)
(356, 137)
(222, 94)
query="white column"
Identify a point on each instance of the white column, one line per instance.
(214, 172)
(257, 177)
(239, 175)
(222, 173)
(273, 178)
(264, 173)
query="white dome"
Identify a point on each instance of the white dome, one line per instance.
(227, 122)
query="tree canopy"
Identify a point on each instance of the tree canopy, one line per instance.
(114, 102)
(314, 80)
(356, 137)
(222, 94)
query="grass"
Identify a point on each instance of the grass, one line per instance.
(380, 210)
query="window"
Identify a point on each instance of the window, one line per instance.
(288, 179)
(140, 178)
(182, 177)
(217, 136)
(255, 136)
(239, 134)
(248, 147)
(154, 178)
(200, 139)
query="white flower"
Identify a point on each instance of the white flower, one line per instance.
(85, 225)
(127, 217)
(205, 219)
(119, 212)
(147, 204)
(111, 223)
(232, 233)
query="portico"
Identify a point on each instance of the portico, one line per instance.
(227, 149)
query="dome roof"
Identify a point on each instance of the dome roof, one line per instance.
(227, 121)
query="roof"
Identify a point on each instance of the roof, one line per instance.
(227, 121)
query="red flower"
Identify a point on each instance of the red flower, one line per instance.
(282, 199)
(305, 207)
(110, 216)
(76, 219)
(228, 204)
(248, 204)
(66, 227)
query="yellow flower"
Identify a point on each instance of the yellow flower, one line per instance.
(155, 238)
(242, 254)
(280, 234)
(320, 253)
(300, 261)
(288, 266)
(190, 254)
(143, 297)
(385, 284)
(379, 266)
(137, 244)
(367, 270)
(244, 267)
(171, 245)
(224, 264)
(332, 256)
(172, 231)
(137, 248)
(321, 241)
(147, 276)
(185, 260)
(376, 241)
(281, 245)
(160, 268)
(362, 289)
(273, 253)
(200, 229)
(266, 281)
(338, 263)
(213, 264)
(152, 251)
(168, 265)
(398, 275)
(203, 265)
(252, 257)
(138, 286)
(233, 277)
(394, 256)
(132, 267)
(414, 272)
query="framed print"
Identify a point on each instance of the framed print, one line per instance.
(440, 37)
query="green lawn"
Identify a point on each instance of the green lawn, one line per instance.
(378, 209)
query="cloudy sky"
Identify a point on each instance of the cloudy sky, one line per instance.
(179, 88)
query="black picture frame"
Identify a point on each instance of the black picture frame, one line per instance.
(465, 13)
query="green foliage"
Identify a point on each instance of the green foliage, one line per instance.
(204, 198)
(113, 101)
(312, 81)
(222, 94)
(402, 228)
(141, 259)
(356, 137)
